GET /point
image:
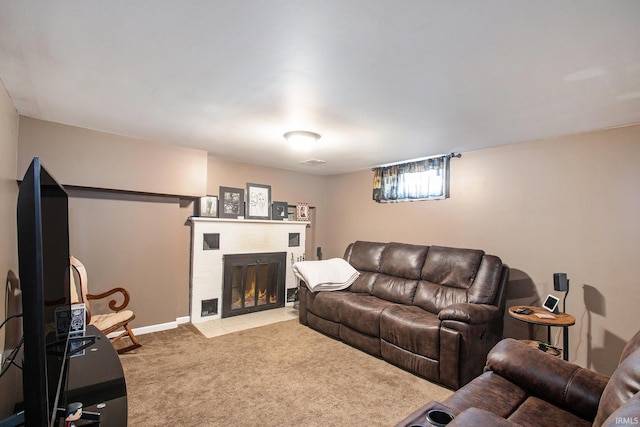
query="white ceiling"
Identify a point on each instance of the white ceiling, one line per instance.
(380, 80)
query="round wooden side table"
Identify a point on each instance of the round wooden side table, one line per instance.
(541, 316)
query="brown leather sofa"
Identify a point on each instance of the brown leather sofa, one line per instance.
(434, 311)
(523, 386)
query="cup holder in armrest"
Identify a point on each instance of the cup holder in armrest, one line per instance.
(439, 418)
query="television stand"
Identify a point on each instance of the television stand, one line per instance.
(96, 379)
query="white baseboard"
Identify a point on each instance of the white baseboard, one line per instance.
(155, 328)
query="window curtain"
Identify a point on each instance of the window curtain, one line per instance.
(420, 180)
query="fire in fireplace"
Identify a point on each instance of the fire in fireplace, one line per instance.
(253, 282)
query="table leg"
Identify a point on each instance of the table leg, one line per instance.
(565, 339)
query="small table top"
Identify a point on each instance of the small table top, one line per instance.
(559, 319)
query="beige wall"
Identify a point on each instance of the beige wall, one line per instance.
(286, 186)
(84, 157)
(139, 241)
(569, 205)
(8, 227)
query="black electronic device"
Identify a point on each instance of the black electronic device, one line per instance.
(43, 255)
(560, 282)
(523, 310)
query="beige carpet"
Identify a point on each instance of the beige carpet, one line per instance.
(283, 374)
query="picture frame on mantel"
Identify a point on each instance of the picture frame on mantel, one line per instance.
(280, 211)
(208, 206)
(231, 203)
(302, 211)
(258, 201)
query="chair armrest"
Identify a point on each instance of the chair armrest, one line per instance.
(561, 382)
(113, 305)
(473, 314)
(480, 417)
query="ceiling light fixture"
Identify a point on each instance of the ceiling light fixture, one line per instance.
(301, 140)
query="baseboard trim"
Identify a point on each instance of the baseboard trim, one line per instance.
(155, 328)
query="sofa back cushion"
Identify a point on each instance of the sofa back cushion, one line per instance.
(454, 275)
(632, 346)
(623, 384)
(452, 267)
(399, 272)
(364, 282)
(403, 260)
(365, 256)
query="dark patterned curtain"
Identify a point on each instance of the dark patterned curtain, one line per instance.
(420, 180)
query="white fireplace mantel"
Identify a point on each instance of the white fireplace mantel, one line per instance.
(236, 236)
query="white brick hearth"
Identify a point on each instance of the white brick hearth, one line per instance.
(236, 236)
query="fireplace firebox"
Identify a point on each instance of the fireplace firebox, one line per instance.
(253, 282)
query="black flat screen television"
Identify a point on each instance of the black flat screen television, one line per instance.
(43, 255)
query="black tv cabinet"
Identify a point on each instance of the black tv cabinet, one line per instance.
(97, 380)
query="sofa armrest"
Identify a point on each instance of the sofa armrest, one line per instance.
(480, 417)
(558, 381)
(473, 314)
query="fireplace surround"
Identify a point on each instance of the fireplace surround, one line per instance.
(214, 239)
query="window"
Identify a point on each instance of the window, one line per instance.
(425, 179)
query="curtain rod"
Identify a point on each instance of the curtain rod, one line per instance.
(450, 155)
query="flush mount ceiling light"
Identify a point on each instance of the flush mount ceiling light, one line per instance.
(301, 140)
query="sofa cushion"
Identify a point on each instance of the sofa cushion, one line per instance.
(403, 260)
(365, 256)
(539, 412)
(485, 285)
(433, 297)
(363, 313)
(453, 276)
(364, 282)
(489, 392)
(411, 328)
(452, 267)
(395, 289)
(628, 412)
(623, 384)
(326, 304)
(632, 345)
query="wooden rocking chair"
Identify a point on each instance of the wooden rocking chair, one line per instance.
(109, 322)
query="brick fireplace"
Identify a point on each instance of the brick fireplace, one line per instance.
(252, 244)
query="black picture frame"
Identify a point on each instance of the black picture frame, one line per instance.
(231, 203)
(280, 211)
(207, 207)
(258, 201)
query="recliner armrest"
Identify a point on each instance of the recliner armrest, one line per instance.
(480, 417)
(473, 314)
(567, 385)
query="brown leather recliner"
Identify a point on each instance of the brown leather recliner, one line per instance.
(434, 311)
(523, 386)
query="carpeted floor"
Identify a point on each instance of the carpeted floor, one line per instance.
(283, 374)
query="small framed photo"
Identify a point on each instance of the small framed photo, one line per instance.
(280, 211)
(258, 201)
(208, 206)
(231, 202)
(302, 211)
